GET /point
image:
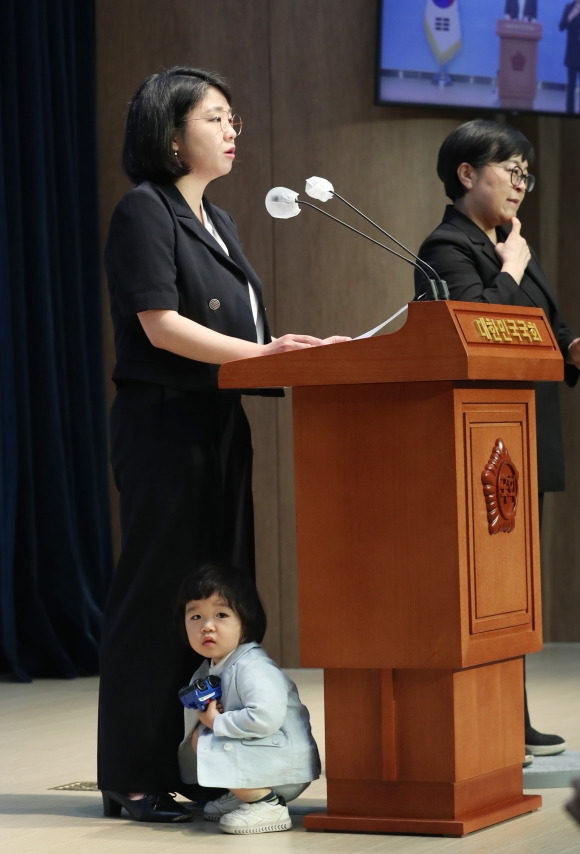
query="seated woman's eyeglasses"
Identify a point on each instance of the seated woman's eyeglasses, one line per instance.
(225, 121)
(517, 175)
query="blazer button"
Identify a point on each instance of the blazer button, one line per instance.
(227, 746)
(214, 304)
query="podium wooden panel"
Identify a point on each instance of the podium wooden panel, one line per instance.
(415, 453)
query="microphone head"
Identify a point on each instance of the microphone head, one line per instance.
(282, 203)
(319, 188)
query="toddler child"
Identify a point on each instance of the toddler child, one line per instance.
(255, 740)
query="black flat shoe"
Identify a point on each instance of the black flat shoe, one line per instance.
(543, 744)
(160, 807)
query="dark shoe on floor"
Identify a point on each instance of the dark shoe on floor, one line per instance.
(541, 744)
(158, 807)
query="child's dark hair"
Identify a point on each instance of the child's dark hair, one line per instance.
(235, 587)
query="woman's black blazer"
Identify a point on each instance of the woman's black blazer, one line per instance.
(160, 256)
(466, 259)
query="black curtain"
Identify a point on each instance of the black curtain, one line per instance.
(55, 549)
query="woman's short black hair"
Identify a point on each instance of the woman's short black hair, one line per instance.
(157, 109)
(478, 143)
(235, 587)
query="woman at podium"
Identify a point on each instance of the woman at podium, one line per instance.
(480, 251)
(184, 300)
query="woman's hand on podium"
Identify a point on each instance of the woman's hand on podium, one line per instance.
(337, 339)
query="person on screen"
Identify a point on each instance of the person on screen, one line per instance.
(571, 23)
(480, 252)
(526, 10)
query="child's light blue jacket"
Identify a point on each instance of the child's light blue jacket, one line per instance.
(263, 738)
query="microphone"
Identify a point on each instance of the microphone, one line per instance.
(282, 203)
(321, 189)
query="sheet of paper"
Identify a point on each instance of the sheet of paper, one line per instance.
(372, 332)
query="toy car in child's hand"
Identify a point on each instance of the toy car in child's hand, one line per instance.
(199, 693)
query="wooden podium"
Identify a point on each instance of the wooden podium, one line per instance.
(419, 559)
(518, 63)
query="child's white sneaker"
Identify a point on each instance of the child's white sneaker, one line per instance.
(226, 803)
(259, 817)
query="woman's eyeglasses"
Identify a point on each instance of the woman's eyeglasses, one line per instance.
(225, 121)
(517, 176)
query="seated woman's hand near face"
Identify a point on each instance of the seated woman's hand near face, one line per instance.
(514, 253)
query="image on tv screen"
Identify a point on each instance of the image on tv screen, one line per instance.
(516, 55)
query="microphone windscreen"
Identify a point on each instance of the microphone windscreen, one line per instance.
(282, 203)
(319, 188)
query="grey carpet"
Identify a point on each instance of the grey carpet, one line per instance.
(553, 772)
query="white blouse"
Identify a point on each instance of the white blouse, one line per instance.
(258, 320)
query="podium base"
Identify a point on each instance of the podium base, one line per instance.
(428, 826)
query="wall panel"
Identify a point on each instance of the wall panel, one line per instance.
(562, 550)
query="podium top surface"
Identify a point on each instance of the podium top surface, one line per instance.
(526, 30)
(443, 340)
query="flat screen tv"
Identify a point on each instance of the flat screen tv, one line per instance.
(480, 54)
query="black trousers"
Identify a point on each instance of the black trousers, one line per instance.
(527, 721)
(183, 464)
